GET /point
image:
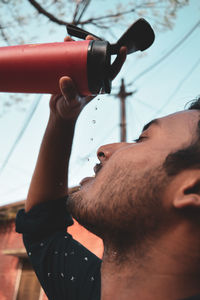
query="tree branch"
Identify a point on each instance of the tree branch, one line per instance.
(41, 10)
(80, 10)
(4, 35)
(119, 14)
(76, 11)
(83, 10)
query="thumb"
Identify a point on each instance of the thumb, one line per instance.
(118, 62)
(68, 89)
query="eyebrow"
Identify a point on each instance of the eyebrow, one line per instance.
(154, 121)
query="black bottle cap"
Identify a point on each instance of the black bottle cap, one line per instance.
(98, 66)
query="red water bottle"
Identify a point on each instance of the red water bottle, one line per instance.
(37, 68)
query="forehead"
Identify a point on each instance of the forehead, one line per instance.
(184, 122)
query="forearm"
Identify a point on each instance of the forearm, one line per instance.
(50, 177)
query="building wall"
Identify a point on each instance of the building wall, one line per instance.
(10, 266)
(87, 239)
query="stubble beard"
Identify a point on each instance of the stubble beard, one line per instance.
(125, 209)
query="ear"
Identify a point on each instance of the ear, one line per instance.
(188, 192)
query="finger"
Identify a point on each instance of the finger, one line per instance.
(68, 39)
(91, 37)
(68, 89)
(118, 62)
(53, 100)
(89, 98)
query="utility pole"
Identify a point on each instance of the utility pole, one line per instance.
(122, 96)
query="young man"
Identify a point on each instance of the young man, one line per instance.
(144, 202)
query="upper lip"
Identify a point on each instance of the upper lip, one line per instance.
(97, 168)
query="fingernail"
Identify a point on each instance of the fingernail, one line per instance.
(64, 91)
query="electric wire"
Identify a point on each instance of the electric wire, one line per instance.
(145, 104)
(166, 55)
(170, 98)
(23, 129)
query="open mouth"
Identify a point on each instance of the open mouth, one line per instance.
(85, 180)
(97, 168)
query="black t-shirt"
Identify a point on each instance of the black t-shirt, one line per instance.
(65, 269)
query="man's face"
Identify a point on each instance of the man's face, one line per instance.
(125, 196)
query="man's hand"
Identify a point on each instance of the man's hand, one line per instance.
(69, 103)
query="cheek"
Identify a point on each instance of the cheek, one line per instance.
(122, 169)
(140, 158)
(154, 154)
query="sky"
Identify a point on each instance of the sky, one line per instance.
(162, 90)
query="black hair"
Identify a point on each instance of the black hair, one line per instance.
(186, 158)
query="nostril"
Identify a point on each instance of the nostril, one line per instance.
(101, 154)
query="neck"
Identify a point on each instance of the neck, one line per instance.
(166, 269)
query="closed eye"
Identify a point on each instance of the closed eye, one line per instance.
(140, 139)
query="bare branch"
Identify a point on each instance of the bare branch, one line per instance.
(41, 10)
(4, 35)
(99, 25)
(119, 14)
(87, 2)
(76, 12)
(80, 10)
(51, 17)
(93, 21)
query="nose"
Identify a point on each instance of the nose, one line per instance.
(106, 151)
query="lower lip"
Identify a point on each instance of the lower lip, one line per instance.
(85, 180)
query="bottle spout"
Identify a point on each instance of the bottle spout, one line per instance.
(139, 36)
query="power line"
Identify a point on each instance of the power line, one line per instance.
(145, 104)
(184, 38)
(19, 136)
(122, 95)
(196, 64)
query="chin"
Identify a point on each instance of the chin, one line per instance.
(84, 209)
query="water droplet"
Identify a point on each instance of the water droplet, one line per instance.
(86, 258)
(66, 236)
(92, 278)
(56, 252)
(41, 244)
(94, 121)
(66, 254)
(62, 275)
(96, 107)
(29, 253)
(88, 159)
(98, 99)
(72, 278)
(91, 139)
(49, 274)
